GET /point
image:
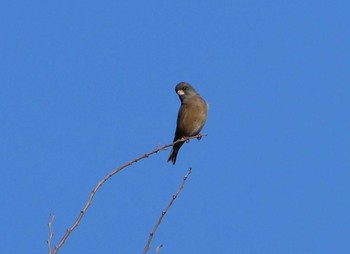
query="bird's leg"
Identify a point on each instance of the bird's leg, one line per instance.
(184, 139)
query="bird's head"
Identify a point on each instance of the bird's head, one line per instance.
(185, 91)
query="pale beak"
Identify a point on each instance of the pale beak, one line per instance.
(180, 92)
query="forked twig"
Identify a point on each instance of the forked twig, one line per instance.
(93, 192)
(147, 247)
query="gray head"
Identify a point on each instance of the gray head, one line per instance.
(185, 91)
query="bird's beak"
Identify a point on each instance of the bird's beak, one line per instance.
(180, 92)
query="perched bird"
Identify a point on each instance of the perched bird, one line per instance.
(191, 117)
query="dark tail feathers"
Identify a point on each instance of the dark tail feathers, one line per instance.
(174, 151)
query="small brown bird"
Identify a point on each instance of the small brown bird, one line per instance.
(191, 117)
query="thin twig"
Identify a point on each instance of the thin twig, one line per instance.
(158, 248)
(93, 192)
(50, 233)
(147, 247)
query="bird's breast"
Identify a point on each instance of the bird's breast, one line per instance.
(191, 117)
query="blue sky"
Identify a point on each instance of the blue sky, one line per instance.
(87, 86)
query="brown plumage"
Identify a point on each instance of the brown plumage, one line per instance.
(191, 117)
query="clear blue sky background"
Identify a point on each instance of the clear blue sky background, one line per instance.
(86, 86)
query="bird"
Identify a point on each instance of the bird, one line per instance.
(191, 117)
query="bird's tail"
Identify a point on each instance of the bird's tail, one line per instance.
(174, 151)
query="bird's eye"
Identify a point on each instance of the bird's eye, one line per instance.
(185, 87)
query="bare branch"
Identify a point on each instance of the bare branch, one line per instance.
(49, 241)
(147, 247)
(108, 176)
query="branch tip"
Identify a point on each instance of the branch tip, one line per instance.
(147, 247)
